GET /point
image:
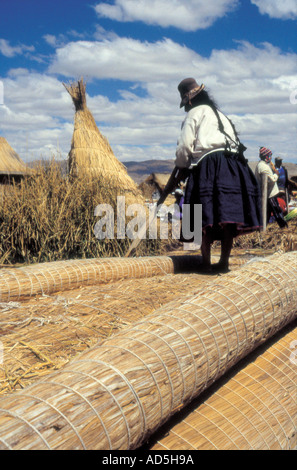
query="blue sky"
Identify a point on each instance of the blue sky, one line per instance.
(133, 54)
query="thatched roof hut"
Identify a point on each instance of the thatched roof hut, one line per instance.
(11, 165)
(155, 183)
(91, 154)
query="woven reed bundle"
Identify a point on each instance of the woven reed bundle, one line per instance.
(42, 334)
(117, 393)
(254, 409)
(46, 278)
(91, 153)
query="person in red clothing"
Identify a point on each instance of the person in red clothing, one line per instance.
(282, 204)
(281, 199)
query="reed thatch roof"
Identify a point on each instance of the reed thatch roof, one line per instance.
(154, 182)
(90, 153)
(159, 180)
(10, 162)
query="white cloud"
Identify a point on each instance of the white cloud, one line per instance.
(244, 79)
(275, 131)
(36, 115)
(10, 51)
(50, 39)
(35, 93)
(136, 61)
(140, 153)
(123, 59)
(281, 9)
(188, 16)
(247, 79)
(61, 39)
(144, 121)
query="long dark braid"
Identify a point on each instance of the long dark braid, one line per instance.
(204, 98)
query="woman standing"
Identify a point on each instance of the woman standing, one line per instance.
(266, 167)
(220, 178)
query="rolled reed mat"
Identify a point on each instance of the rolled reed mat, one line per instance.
(46, 278)
(254, 408)
(117, 393)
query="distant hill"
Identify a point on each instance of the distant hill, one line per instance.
(43, 162)
(139, 171)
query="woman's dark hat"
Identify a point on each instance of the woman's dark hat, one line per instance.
(188, 88)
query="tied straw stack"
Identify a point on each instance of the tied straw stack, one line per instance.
(91, 154)
(46, 278)
(253, 408)
(118, 393)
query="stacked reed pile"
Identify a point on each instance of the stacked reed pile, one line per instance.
(91, 154)
(10, 162)
(117, 393)
(42, 334)
(273, 238)
(46, 278)
(254, 408)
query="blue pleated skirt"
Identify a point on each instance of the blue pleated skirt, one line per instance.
(229, 193)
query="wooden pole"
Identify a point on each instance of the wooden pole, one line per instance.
(287, 198)
(264, 200)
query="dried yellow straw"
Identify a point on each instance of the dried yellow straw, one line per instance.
(60, 326)
(46, 278)
(91, 153)
(255, 409)
(117, 393)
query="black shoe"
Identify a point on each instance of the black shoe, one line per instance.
(220, 268)
(204, 269)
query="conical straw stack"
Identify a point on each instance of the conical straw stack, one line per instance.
(10, 162)
(91, 154)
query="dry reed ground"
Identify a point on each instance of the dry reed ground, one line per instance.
(50, 217)
(44, 333)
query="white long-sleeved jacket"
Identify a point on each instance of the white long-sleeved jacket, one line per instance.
(200, 135)
(272, 186)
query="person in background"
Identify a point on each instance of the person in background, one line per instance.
(179, 200)
(266, 167)
(281, 198)
(178, 206)
(283, 179)
(219, 177)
